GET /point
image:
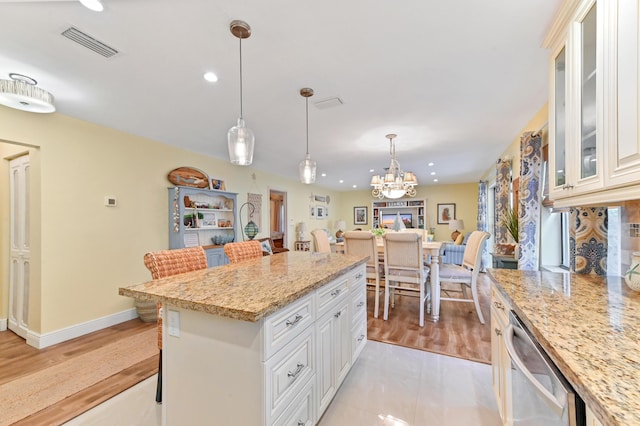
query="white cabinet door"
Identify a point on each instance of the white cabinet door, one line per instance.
(622, 93)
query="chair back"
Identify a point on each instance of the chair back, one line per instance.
(473, 251)
(423, 235)
(243, 250)
(322, 241)
(362, 243)
(165, 263)
(403, 252)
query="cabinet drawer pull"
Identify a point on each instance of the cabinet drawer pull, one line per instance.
(361, 338)
(337, 315)
(498, 331)
(335, 292)
(360, 305)
(359, 276)
(295, 321)
(498, 305)
(294, 374)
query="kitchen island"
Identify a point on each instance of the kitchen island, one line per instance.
(590, 327)
(260, 342)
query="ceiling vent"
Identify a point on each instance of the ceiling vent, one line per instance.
(89, 42)
(328, 103)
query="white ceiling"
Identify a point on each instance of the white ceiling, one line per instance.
(456, 80)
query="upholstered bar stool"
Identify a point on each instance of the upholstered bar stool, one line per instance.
(166, 263)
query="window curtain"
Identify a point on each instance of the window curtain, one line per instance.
(529, 201)
(482, 217)
(502, 204)
(588, 240)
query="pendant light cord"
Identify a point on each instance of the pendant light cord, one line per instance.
(307, 112)
(240, 38)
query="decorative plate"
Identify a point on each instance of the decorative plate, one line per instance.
(188, 176)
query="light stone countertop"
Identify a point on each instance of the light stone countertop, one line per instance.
(590, 327)
(248, 290)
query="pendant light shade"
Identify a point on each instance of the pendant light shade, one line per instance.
(307, 166)
(240, 139)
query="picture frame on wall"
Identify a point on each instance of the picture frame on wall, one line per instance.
(312, 212)
(218, 184)
(319, 212)
(360, 216)
(446, 213)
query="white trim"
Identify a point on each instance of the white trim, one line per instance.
(40, 341)
(3, 324)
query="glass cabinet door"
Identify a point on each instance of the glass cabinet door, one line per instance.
(560, 85)
(588, 153)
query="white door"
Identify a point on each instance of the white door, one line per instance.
(20, 253)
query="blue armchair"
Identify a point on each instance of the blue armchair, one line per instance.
(452, 253)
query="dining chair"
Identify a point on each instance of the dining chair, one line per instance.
(165, 263)
(404, 269)
(363, 243)
(321, 239)
(243, 250)
(466, 274)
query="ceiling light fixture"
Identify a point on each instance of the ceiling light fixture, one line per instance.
(95, 5)
(21, 93)
(240, 139)
(395, 183)
(307, 166)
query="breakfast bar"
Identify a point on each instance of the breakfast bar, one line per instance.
(260, 342)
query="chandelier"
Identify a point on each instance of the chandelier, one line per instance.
(395, 183)
(21, 93)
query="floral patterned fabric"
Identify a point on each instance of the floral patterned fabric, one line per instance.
(482, 218)
(503, 203)
(529, 201)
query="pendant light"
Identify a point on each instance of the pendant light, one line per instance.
(21, 93)
(307, 166)
(240, 139)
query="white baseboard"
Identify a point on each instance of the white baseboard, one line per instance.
(3, 324)
(40, 341)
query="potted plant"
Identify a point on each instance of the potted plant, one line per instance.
(510, 221)
(378, 232)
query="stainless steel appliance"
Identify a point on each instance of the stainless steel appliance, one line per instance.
(540, 394)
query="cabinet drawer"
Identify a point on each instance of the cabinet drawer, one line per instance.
(283, 326)
(288, 371)
(499, 304)
(358, 276)
(358, 336)
(358, 301)
(328, 295)
(301, 411)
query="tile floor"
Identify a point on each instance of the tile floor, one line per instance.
(388, 386)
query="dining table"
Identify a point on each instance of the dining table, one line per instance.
(431, 252)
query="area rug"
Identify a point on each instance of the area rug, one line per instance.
(26, 395)
(458, 333)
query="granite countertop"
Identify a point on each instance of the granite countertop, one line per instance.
(248, 290)
(590, 327)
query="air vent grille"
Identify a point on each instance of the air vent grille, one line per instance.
(328, 103)
(89, 42)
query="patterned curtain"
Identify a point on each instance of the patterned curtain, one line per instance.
(502, 204)
(529, 201)
(588, 240)
(482, 217)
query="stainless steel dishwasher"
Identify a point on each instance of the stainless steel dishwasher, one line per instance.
(540, 394)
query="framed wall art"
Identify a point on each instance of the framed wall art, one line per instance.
(360, 215)
(446, 213)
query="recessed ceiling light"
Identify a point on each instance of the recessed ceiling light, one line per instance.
(430, 164)
(355, 186)
(433, 173)
(211, 77)
(371, 170)
(435, 180)
(95, 5)
(341, 181)
(323, 175)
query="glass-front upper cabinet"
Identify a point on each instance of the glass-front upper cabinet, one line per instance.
(588, 150)
(559, 117)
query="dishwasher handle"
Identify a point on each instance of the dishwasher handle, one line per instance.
(556, 403)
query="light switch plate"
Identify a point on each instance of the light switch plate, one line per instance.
(174, 323)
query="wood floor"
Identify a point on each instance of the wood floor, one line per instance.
(17, 359)
(458, 333)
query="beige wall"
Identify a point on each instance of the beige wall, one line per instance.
(86, 250)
